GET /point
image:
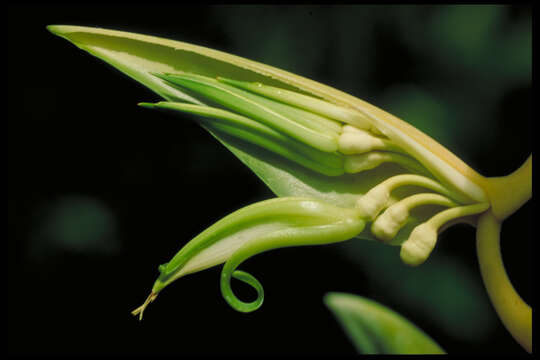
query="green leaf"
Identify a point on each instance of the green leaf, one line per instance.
(375, 329)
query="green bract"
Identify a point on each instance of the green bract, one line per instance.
(344, 168)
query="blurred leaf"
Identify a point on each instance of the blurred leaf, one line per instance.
(515, 58)
(456, 295)
(303, 52)
(375, 329)
(466, 31)
(424, 111)
(77, 224)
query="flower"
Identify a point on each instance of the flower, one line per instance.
(325, 139)
(343, 167)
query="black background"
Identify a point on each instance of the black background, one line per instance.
(75, 132)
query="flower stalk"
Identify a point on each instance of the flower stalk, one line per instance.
(515, 314)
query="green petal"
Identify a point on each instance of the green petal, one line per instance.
(256, 107)
(263, 226)
(250, 222)
(306, 102)
(226, 122)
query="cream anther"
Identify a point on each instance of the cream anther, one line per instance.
(371, 204)
(359, 142)
(387, 225)
(360, 162)
(416, 249)
(376, 199)
(357, 163)
(422, 239)
(353, 129)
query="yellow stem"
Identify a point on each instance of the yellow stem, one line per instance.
(508, 193)
(515, 314)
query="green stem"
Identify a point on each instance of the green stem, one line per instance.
(506, 195)
(515, 314)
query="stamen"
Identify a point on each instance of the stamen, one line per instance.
(362, 141)
(376, 199)
(258, 108)
(357, 163)
(387, 225)
(416, 249)
(306, 102)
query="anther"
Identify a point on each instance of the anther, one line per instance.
(362, 162)
(360, 141)
(416, 249)
(419, 245)
(376, 199)
(388, 224)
